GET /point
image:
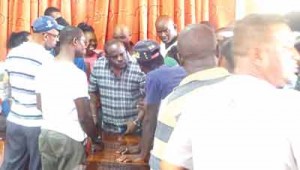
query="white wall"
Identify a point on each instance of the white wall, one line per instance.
(266, 6)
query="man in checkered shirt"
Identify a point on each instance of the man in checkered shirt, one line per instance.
(116, 85)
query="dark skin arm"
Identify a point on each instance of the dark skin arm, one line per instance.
(131, 126)
(95, 104)
(149, 126)
(85, 117)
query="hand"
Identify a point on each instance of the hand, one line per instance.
(97, 147)
(91, 148)
(137, 158)
(131, 127)
(129, 150)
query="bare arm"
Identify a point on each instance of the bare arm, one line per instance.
(133, 124)
(142, 109)
(95, 105)
(85, 117)
(149, 126)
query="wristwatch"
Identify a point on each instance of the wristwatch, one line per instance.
(137, 123)
(97, 140)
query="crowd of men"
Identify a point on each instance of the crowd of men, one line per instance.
(197, 101)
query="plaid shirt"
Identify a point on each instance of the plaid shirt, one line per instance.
(119, 95)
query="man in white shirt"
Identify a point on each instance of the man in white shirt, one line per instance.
(65, 106)
(245, 121)
(24, 119)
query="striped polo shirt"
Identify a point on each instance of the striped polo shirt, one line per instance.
(171, 107)
(119, 95)
(22, 65)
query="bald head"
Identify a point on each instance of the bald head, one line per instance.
(163, 19)
(196, 42)
(196, 47)
(122, 32)
(165, 28)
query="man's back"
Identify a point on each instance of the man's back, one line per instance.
(163, 80)
(57, 96)
(243, 123)
(171, 107)
(22, 64)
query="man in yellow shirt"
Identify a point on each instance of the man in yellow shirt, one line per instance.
(196, 47)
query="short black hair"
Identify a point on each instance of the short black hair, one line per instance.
(68, 34)
(85, 27)
(50, 10)
(17, 38)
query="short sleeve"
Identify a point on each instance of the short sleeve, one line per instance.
(180, 144)
(153, 95)
(81, 86)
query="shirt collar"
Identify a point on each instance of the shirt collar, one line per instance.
(167, 45)
(207, 74)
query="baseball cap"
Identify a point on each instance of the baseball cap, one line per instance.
(146, 50)
(44, 24)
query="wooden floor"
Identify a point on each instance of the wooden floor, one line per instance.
(106, 159)
(1, 151)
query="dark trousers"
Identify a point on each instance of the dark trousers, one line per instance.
(21, 148)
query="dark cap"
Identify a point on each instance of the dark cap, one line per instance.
(146, 50)
(44, 24)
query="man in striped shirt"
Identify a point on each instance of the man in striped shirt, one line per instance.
(201, 65)
(24, 119)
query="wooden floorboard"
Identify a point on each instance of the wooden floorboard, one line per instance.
(1, 151)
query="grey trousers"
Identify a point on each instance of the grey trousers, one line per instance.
(59, 151)
(21, 148)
